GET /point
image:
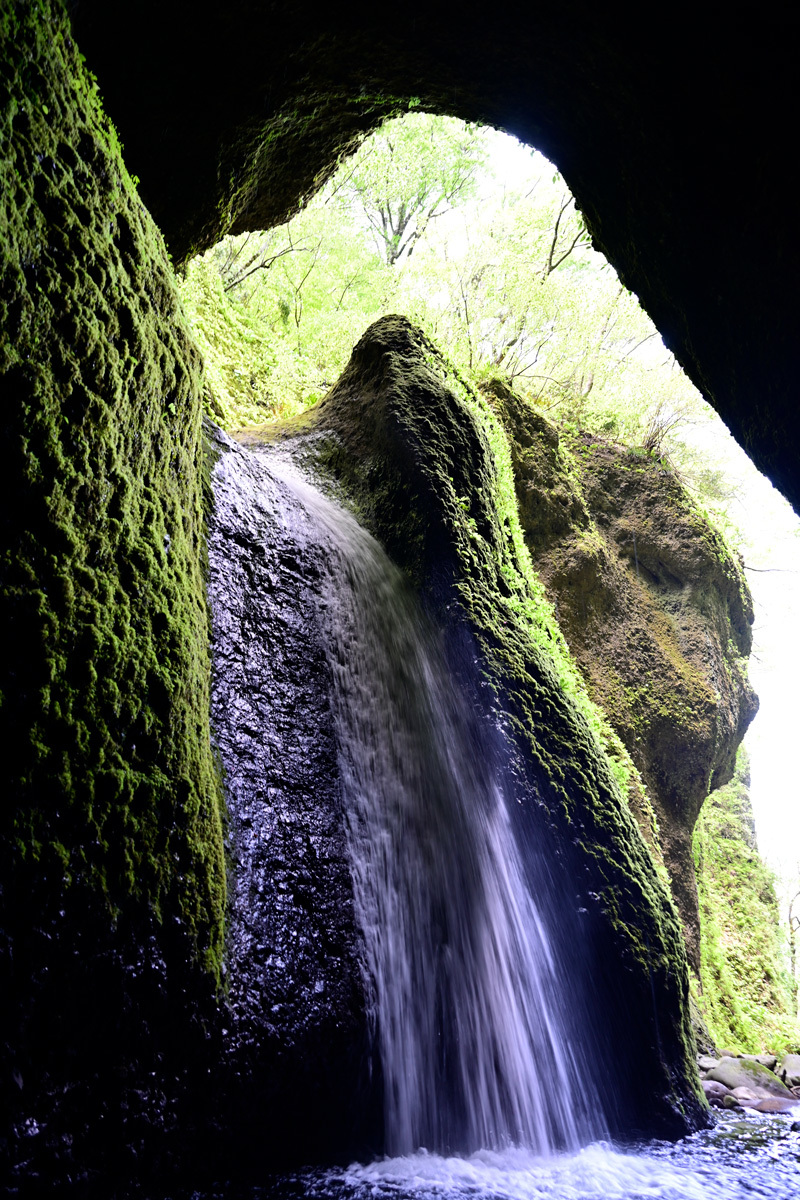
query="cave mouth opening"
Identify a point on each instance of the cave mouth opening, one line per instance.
(477, 239)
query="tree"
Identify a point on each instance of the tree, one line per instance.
(794, 933)
(412, 171)
(503, 280)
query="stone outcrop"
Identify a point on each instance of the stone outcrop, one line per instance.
(654, 608)
(422, 461)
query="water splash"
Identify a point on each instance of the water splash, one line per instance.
(467, 998)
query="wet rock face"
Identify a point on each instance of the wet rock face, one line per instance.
(649, 133)
(655, 610)
(295, 1039)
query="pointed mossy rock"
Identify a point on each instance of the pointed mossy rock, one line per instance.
(425, 464)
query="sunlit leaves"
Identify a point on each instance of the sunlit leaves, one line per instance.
(425, 220)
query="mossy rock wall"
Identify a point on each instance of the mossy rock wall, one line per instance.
(748, 998)
(422, 459)
(655, 609)
(112, 856)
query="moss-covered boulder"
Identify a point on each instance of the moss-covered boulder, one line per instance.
(748, 997)
(427, 466)
(746, 1073)
(654, 608)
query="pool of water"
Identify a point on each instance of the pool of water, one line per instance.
(739, 1158)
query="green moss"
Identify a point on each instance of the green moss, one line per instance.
(111, 786)
(748, 998)
(655, 611)
(527, 597)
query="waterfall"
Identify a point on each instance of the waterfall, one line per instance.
(468, 998)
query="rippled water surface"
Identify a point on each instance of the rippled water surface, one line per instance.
(739, 1159)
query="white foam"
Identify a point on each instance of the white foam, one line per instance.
(597, 1172)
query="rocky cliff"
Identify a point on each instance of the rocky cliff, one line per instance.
(654, 608)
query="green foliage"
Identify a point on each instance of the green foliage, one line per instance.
(503, 279)
(410, 172)
(748, 997)
(277, 313)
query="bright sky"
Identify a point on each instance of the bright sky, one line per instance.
(773, 530)
(772, 534)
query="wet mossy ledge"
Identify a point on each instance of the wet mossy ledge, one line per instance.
(425, 462)
(113, 874)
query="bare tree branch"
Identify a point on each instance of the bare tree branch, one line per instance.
(265, 264)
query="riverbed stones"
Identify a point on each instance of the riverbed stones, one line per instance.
(744, 1073)
(774, 1104)
(769, 1061)
(715, 1092)
(789, 1070)
(706, 1062)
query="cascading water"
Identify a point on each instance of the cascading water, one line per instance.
(473, 1014)
(466, 992)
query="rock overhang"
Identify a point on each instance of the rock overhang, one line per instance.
(671, 143)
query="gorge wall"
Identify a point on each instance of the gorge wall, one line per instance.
(749, 998)
(113, 876)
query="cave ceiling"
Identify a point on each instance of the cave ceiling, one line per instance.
(676, 139)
